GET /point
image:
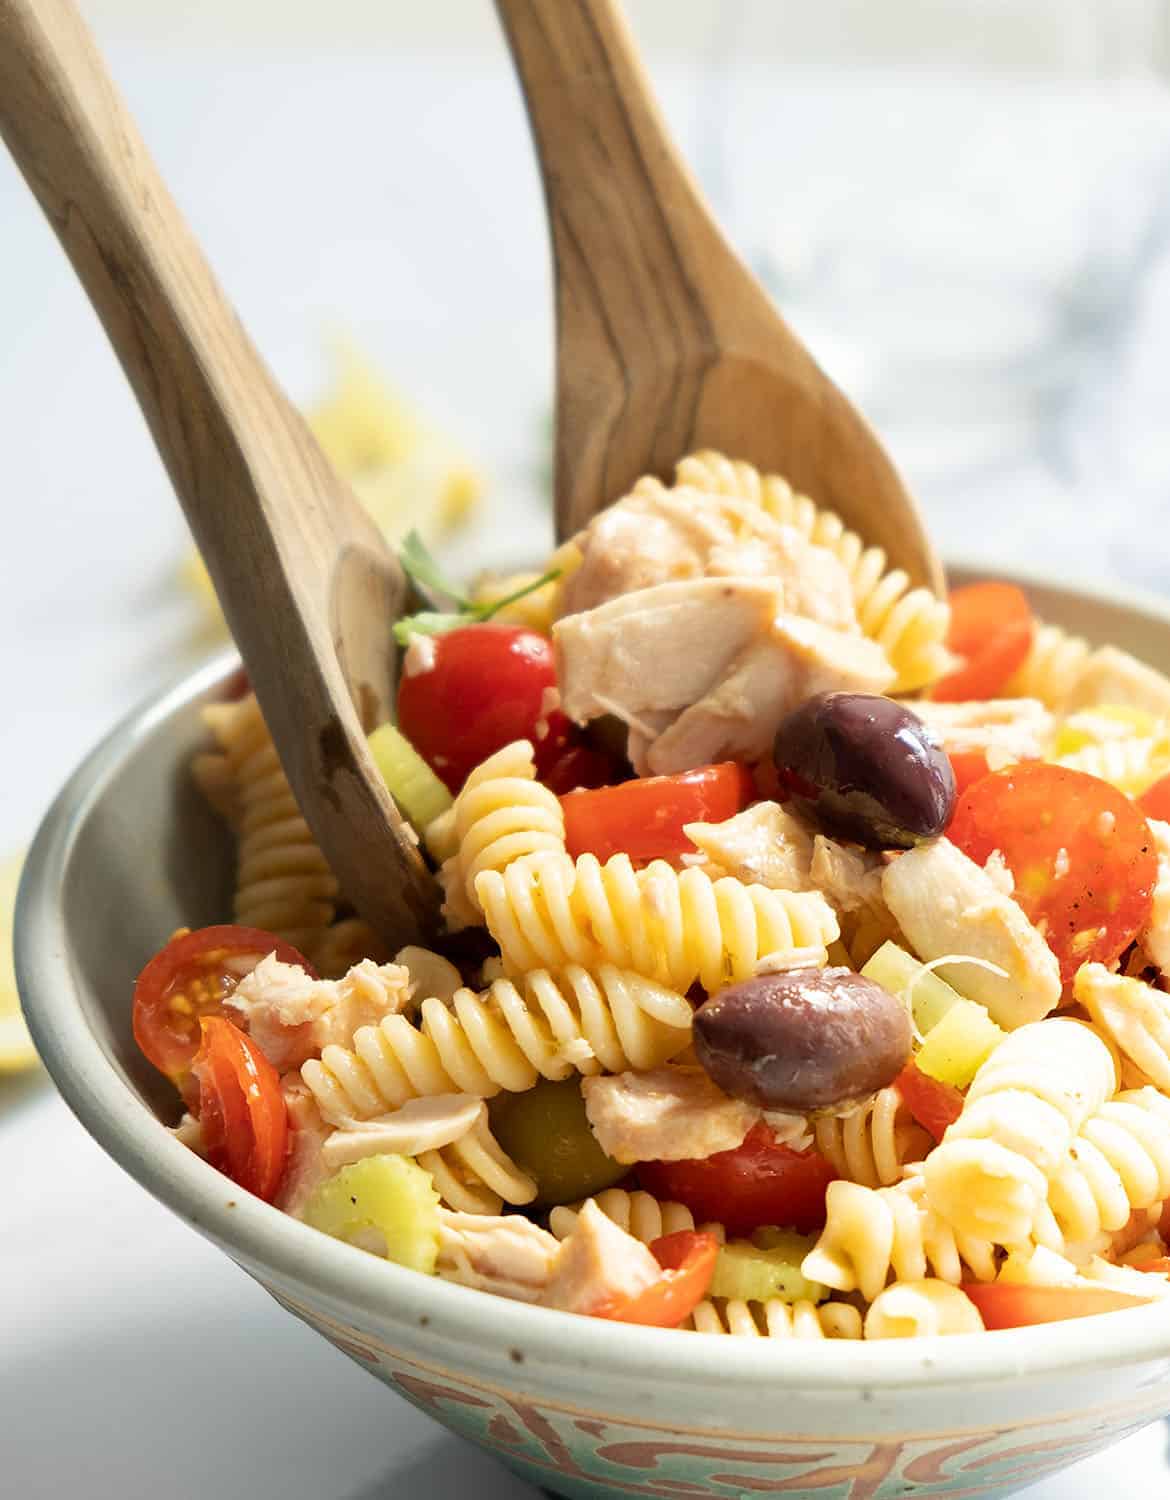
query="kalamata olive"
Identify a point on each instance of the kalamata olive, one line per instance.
(808, 1039)
(865, 768)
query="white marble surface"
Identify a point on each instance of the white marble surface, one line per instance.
(394, 196)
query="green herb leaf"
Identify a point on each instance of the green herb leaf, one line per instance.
(486, 611)
(415, 556)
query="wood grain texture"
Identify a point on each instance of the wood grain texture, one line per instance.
(665, 342)
(307, 583)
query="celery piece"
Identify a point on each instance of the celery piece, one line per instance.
(384, 1201)
(956, 1048)
(898, 971)
(410, 781)
(755, 1272)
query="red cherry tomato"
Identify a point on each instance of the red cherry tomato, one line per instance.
(1079, 851)
(934, 1104)
(1155, 800)
(688, 1263)
(242, 1112)
(1005, 1304)
(991, 629)
(758, 1183)
(486, 686)
(190, 978)
(645, 818)
(580, 766)
(969, 766)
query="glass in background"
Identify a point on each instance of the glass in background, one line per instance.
(964, 207)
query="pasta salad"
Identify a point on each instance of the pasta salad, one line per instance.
(805, 963)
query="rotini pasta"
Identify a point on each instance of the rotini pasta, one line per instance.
(910, 1309)
(1025, 1105)
(505, 1038)
(776, 1319)
(1131, 765)
(1051, 669)
(547, 910)
(639, 1213)
(909, 624)
(1134, 1016)
(475, 1175)
(501, 813)
(874, 1143)
(1120, 1162)
(283, 883)
(873, 1233)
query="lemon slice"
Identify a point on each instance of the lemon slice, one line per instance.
(16, 1048)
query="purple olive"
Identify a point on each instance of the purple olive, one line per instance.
(866, 769)
(808, 1039)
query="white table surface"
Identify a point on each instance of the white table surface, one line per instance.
(394, 198)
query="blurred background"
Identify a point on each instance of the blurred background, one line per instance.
(962, 205)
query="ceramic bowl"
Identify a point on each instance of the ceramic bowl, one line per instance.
(582, 1407)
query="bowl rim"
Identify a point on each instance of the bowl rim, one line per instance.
(267, 1239)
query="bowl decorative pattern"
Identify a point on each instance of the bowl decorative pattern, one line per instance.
(582, 1407)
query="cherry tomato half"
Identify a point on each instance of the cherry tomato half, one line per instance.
(688, 1263)
(934, 1104)
(190, 978)
(241, 1108)
(1006, 1304)
(991, 629)
(645, 818)
(757, 1183)
(969, 766)
(486, 686)
(1080, 853)
(1155, 800)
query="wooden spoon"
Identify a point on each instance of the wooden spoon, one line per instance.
(308, 586)
(665, 341)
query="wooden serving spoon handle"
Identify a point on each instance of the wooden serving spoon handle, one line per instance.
(308, 586)
(665, 340)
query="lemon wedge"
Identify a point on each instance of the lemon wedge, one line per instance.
(16, 1048)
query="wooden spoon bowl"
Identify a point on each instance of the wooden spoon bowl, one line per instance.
(665, 341)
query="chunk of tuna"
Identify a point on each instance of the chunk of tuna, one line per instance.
(291, 1016)
(598, 1264)
(506, 1254)
(947, 905)
(665, 1114)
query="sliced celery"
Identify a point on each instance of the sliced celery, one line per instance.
(411, 782)
(755, 1271)
(382, 1203)
(898, 971)
(957, 1047)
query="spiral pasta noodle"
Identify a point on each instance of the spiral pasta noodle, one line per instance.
(547, 910)
(1052, 668)
(501, 813)
(1120, 1162)
(283, 883)
(872, 1144)
(1131, 765)
(475, 1175)
(639, 1213)
(1134, 1016)
(776, 1319)
(546, 1026)
(910, 624)
(1025, 1105)
(912, 1309)
(871, 1234)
